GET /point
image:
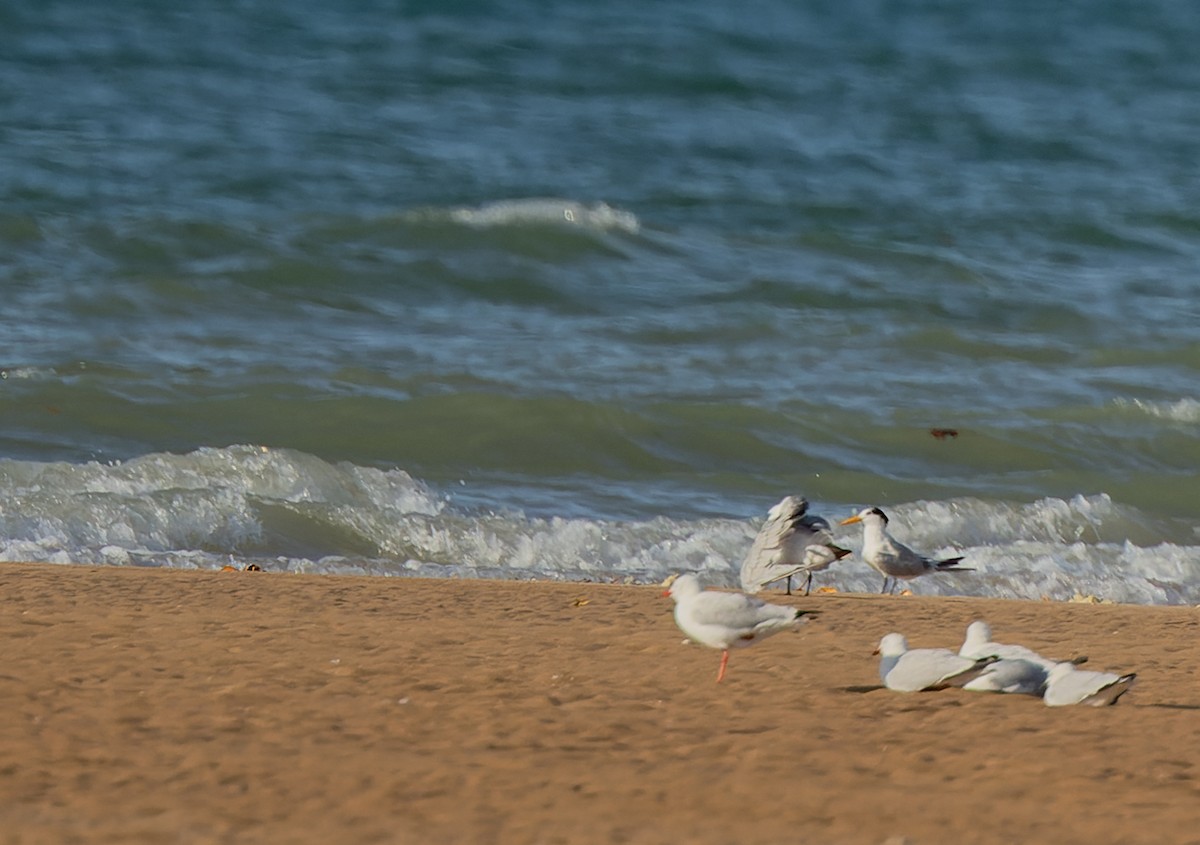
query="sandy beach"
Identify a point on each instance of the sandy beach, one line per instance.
(156, 706)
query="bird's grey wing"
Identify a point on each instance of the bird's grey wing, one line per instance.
(1011, 676)
(929, 669)
(1020, 652)
(1007, 651)
(900, 560)
(791, 541)
(817, 527)
(730, 610)
(961, 676)
(1080, 686)
(764, 562)
(761, 564)
(1109, 693)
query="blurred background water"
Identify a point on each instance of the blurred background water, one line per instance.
(579, 290)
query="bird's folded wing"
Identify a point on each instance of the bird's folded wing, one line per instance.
(1080, 684)
(1008, 651)
(932, 666)
(732, 610)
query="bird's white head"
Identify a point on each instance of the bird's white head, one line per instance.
(681, 586)
(867, 516)
(893, 645)
(978, 633)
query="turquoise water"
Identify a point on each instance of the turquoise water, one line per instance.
(567, 291)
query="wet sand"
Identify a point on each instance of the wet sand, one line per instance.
(163, 706)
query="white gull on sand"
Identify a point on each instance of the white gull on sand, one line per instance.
(979, 643)
(726, 620)
(916, 670)
(1019, 670)
(791, 542)
(1010, 675)
(1067, 685)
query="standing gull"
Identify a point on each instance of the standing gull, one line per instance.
(921, 669)
(1068, 685)
(791, 542)
(893, 559)
(726, 620)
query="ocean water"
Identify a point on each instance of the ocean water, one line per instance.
(577, 290)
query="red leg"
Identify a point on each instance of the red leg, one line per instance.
(724, 660)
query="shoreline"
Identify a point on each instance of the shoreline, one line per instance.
(159, 705)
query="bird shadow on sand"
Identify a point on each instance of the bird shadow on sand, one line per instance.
(1169, 706)
(865, 688)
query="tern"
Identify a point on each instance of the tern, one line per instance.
(791, 542)
(892, 559)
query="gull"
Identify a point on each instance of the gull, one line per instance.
(893, 559)
(1010, 675)
(1019, 669)
(978, 643)
(1068, 685)
(921, 669)
(790, 542)
(726, 620)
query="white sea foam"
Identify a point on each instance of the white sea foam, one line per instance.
(28, 373)
(967, 521)
(209, 500)
(1182, 411)
(517, 212)
(287, 510)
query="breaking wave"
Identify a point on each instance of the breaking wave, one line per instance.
(291, 511)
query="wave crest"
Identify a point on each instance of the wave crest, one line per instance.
(1181, 411)
(288, 510)
(546, 211)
